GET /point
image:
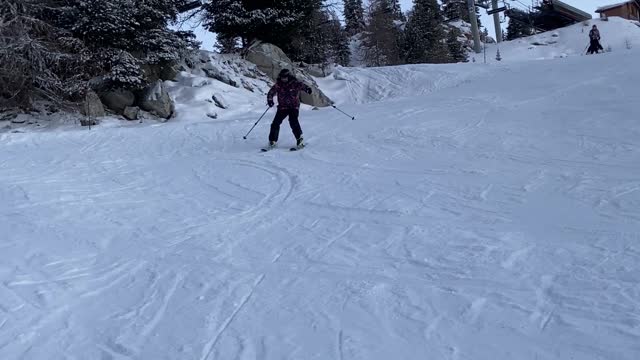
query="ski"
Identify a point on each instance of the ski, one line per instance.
(295, 148)
(268, 148)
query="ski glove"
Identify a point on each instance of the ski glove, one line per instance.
(270, 103)
(308, 91)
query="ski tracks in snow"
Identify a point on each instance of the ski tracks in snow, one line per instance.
(435, 227)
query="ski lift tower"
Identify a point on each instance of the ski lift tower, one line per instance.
(496, 18)
(474, 26)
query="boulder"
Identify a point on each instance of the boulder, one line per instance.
(92, 106)
(166, 71)
(247, 85)
(211, 71)
(156, 100)
(314, 70)
(219, 101)
(117, 100)
(131, 112)
(270, 59)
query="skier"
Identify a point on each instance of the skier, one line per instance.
(594, 37)
(287, 88)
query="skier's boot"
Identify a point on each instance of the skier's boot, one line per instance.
(300, 143)
(272, 144)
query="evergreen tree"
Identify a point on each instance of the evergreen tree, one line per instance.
(459, 10)
(323, 42)
(227, 45)
(457, 52)
(127, 36)
(340, 52)
(380, 38)
(312, 43)
(273, 21)
(518, 26)
(396, 11)
(425, 36)
(55, 47)
(38, 61)
(354, 16)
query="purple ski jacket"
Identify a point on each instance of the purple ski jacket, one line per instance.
(288, 93)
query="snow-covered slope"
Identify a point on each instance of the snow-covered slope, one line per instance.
(617, 34)
(365, 85)
(495, 219)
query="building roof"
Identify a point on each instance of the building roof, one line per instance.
(613, 6)
(570, 11)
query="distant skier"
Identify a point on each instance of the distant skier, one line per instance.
(594, 37)
(287, 88)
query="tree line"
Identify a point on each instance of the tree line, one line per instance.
(56, 50)
(312, 31)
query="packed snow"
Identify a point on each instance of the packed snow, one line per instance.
(470, 211)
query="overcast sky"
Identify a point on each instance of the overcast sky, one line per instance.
(208, 39)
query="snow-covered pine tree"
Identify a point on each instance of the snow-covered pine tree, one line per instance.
(340, 52)
(353, 16)
(313, 44)
(458, 10)
(125, 36)
(517, 28)
(38, 61)
(396, 12)
(326, 42)
(425, 36)
(274, 21)
(400, 21)
(380, 45)
(457, 52)
(227, 45)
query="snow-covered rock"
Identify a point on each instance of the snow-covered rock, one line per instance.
(131, 112)
(196, 86)
(219, 101)
(271, 60)
(92, 107)
(156, 100)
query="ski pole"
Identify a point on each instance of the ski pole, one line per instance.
(256, 124)
(352, 117)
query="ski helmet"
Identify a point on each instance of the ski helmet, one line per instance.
(284, 73)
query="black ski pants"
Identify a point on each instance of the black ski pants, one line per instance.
(293, 122)
(594, 46)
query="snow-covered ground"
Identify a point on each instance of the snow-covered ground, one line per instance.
(492, 212)
(617, 35)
